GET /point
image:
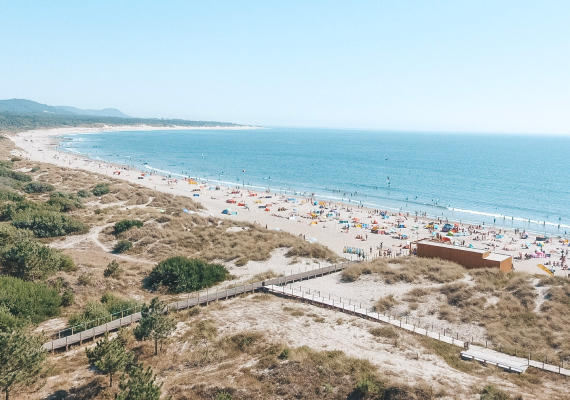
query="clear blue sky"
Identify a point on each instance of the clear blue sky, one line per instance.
(483, 66)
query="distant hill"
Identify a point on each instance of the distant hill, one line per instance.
(106, 112)
(32, 107)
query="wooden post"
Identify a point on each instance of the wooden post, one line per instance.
(66, 347)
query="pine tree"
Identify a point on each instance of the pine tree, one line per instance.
(109, 356)
(155, 324)
(140, 385)
(21, 359)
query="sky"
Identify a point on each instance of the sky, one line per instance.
(453, 66)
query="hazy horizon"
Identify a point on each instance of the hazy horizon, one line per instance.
(414, 66)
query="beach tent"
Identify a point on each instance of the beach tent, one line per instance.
(227, 211)
(375, 221)
(185, 210)
(314, 223)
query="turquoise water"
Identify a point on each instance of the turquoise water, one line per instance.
(505, 180)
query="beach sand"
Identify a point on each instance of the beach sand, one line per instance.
(40, 146)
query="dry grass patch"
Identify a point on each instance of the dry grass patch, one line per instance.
(406, 269)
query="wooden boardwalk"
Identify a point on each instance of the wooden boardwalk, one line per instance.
(201, 298)
(481, 354)
(351, 308)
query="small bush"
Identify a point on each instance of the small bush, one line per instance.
(490, 392)
(115, 304)
(181, 274)
(113, 270)
(385, 303)
(368, 386)
(285, 354)
(100, 189)
(96, 313)
(122, 246)
(84, 193)
(35, 168)
(67, 298)
(224, 396)
(84, 279)
(127, 224)
(65, 202)
(387, 332)
(38, 187)
(15, 159)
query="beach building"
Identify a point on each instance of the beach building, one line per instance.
(465, 256)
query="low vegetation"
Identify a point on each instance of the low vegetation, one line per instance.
(31, 261)
(22, 303)
(100, 189)
(181, 274)
(38, 187)
(406, 269)
(95, 313)
(126, 224)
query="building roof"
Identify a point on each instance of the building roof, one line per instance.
(497, 257)
(450, 246)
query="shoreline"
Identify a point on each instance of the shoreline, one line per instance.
(459, 213)
(39, 146)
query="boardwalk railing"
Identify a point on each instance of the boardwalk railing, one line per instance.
(65, 338)
(482, 354)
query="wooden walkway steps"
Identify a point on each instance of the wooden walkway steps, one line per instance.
(508, 362)
(64, 341)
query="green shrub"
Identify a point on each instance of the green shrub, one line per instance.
(29, 260)
(9, 195)
(181, 274)
(285, 354)
(224, 396)
(490, 392)
(100, 189)
(92, 315)
(84, 279)
(84, 193)
(9, 210)
(27, 302)
(96, 313)
(368, 386)
(48, 223)
(113, 270)
(127, 224)
(67, 298)
(38, 187)
(15, 159)
(35, 168)
(9, 234)
(115, 304)
(64, 202)
(17, 176)
(9, 321)
(122, 246)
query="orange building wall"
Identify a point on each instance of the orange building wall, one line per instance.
(468, 259)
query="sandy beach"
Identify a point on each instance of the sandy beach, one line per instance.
(319, 222)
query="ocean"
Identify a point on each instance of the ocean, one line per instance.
(514, 181)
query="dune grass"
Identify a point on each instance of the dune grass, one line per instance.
(406, 269)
